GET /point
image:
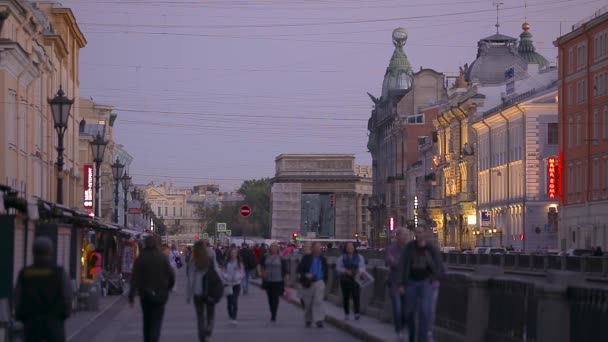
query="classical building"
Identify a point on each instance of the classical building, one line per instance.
(396, 123)
(498, 113)
(320, 195)
(583, 145)
(39, 52)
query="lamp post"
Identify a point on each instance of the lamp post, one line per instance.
(126, 183)
(117, 170)
(98, 146)
(60, 107)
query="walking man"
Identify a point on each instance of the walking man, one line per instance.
(43, 296)
(248, 259)
(420, 269)
(152, 278)
(392, 259)
(312, 272)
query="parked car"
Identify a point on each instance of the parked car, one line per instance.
(496, 250)
(578, 252)
(448, 249)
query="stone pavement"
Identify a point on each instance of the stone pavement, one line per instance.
(81, 319)
(121, 323)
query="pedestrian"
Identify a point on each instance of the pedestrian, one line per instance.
(313, 273)
(233, 274)
(204, 287)
(348, 265)
(249, 263)
(392, 258)
(420, 269)
(306, 250)
(152, 278)
(273, 271)
(43, 296)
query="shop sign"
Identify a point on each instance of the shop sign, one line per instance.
(552, 174)
(88, 186)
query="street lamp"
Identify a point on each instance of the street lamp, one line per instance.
(126, 183)
(60, 107)
(98, 146)
(117, 169)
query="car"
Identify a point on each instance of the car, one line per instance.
(578, 252)
(448, 249)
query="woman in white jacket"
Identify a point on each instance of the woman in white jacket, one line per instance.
(233, 273)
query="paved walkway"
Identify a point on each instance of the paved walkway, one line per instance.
(121, 323)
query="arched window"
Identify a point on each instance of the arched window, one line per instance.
(82, 125)
(403, 80)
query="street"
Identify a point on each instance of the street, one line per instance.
(121, 323)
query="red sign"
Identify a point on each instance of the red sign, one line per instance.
(88, 186)
(245, 211)
(135, 211)
(552, 177)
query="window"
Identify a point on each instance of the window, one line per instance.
(570, 94)
(579, 131)
(570, 60)
(159, 213)
(581, 56)
(596, 128)
(415, 119)
(579, 178)
(166, 211)
(552, 133)
(596, 174)
(570, 179)
(23, 126)
(605, 173)
(174, 212)
(570, 131)
(12, 118)
(605, 122)
(596, 85)
(181, 211)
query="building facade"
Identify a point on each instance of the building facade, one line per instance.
(583, 145)
(396, 123)
(320, 196)
(39, 52)
(492, 148)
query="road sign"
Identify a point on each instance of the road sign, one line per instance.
(221, 227)
(228, 232)
(245, 211)
(205, 236)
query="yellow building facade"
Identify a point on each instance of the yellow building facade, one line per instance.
(39, 52)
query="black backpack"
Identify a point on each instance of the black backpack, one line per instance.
(214, 287)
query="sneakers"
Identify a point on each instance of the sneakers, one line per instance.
(233, 322)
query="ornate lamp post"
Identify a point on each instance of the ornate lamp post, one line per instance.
(98, 146)
(60, 107)
(117, 170)
(126, 183)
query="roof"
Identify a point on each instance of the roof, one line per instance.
(495, 54)
(498, 38)
(527, 50)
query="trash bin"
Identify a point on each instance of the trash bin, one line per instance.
(89, 294)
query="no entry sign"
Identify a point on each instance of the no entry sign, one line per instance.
(245, 211)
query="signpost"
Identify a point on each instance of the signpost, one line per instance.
(245, 211)
(221, 227)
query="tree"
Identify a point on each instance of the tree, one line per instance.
(256, 193)
(207, 217)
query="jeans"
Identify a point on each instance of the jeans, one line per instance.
(312, 297)
(44, 329)
(245, 283)
(274, 290)
(350, 289)
(419, 302)
(399, 308)
(153, 320)
(205, 313)
(232, 301)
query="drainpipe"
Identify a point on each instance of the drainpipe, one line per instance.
(483, 121)
(525, 156)
(508, 162)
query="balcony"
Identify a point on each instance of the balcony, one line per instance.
(435, 203)
(466, 197)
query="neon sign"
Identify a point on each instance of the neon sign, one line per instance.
(552, 175)
(88, 186)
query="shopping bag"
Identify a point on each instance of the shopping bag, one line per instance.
(288, 294)
(364, 279)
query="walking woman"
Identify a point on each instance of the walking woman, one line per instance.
(273, 271)
(234, 271)
(205, 286)
(348, 266)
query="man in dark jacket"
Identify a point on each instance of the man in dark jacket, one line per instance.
(419, 271)
(152, 278)
(249, 262)
(43, 296)
(313, 273)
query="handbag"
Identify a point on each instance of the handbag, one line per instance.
(178, 262)
(228, 290)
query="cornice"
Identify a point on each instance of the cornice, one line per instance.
(57, 41)
(70, 20)
(17, 62)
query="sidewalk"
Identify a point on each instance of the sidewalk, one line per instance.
(80, 320)
(366, 329)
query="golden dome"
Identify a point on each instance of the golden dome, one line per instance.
(525, 27)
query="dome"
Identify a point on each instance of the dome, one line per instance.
(527, 50)
(495, 54)
(399, 72)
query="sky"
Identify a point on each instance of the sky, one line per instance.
(213, 91)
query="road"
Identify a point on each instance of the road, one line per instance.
(123, 323)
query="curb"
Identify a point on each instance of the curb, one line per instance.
(359, 333)
(90, 321)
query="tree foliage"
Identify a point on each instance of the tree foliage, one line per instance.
(256, 193)
(207, 217)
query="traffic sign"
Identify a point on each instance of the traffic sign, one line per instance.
(245, 211)
(221, 227)
(228, 232)
(205, 236)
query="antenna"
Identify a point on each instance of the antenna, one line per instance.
(525, 11)
(497, 5)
